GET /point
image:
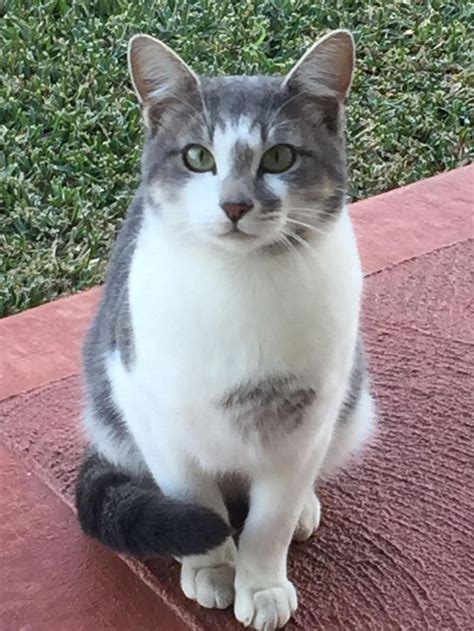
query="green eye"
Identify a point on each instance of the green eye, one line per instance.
(278, 159)
(198, 158)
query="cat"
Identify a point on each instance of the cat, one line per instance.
(225, 358)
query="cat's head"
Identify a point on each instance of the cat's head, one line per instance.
(244, 162)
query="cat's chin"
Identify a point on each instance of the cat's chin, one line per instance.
(238, 235)
(237, 241)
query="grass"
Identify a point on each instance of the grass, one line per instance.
(69, 123)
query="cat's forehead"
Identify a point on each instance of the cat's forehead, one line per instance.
(243, 102)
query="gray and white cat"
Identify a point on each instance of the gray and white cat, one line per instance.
(225, 355)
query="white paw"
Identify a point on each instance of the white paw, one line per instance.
(209, 578)
(309, 519)
(211, 587)
(265, 609)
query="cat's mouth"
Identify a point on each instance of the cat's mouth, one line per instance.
(237, 234)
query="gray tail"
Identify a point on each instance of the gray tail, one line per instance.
(133, 517)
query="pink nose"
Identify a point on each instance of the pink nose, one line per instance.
(235, 211)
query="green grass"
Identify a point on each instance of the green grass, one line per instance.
(69, 124)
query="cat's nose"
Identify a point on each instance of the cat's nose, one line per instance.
(236, 210)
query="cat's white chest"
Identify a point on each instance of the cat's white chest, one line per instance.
(198, 319)
(203, 327)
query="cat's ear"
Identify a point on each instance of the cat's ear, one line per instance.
(325, 70)
(158, 73)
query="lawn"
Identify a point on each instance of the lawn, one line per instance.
(70, 130)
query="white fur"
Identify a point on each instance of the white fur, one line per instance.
(117, 450)
(346, 442)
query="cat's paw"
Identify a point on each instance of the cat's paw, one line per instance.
(211, 587)
(265, 609)
(309, 518)
(209, 578)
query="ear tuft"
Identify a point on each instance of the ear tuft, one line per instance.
(326, 68)
(157, 72)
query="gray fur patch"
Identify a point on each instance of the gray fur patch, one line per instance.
(124, 331)
(111, 328)
(243, 157)
(271, 407)
(356, 383)
(267, 199)
(236, 190)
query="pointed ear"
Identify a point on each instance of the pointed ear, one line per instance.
(325, 70)
(157, 72)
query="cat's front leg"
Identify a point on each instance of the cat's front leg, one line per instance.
(264, 597)
(209, 578)
(206, 578)
(309, 518)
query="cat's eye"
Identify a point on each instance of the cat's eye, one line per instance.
(278, 159)
(198, 158)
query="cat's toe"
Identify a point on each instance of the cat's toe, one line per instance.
(215, 587)
(266, 609)
(212, 587)
(309, 519)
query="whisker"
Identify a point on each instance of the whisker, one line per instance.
(307, 226)
(299, 239)
(314, 212)
(294, 250)
(309, 208)
(286, 242)
(304, 213)
(280, 241)
(312, 251)
(304, 260)
(269, 216)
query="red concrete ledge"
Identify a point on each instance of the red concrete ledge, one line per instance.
(416, 219)
(55, 579)
(391, 534)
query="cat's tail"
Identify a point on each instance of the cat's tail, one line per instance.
(133, 517)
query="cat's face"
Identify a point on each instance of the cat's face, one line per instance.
(244, 162)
